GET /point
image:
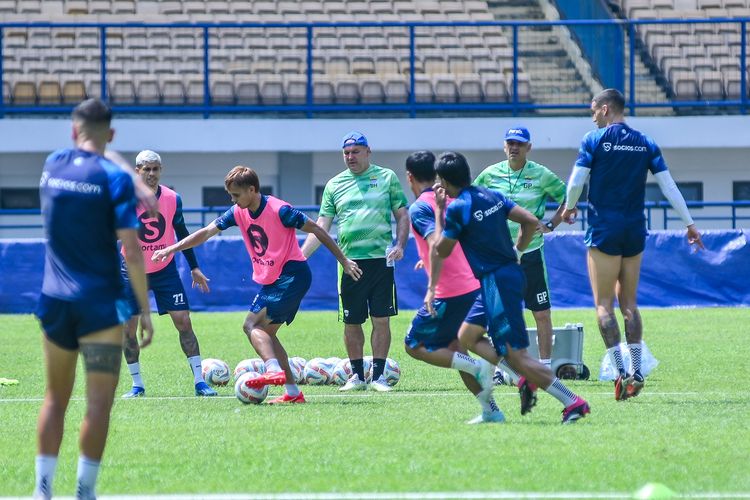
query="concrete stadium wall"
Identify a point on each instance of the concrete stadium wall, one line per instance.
(295, 156)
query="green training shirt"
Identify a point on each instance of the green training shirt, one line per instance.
(528, 187)
(363, 204)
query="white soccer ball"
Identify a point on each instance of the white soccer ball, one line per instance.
(297, 365)
(215, 371)
(342, 372)
(329, 365)
(368, 368)
(317, 372)
(249, 365)
(392, 372)
(247, 394)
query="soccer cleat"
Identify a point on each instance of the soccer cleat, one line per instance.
(268, 378)
(621, 387)
(633, 387)
(485, 377)
(381, 385)
(488, 417)
(527, 393)
(579, 409)
(202, 389)
(134, 392)
(287, 399)
(354, 384)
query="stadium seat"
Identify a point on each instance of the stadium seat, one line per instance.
(296, 89)
(685, 86)
(24, 93)
(396, 90)
(222, 90)
(371, 91)
(173, 91)
(323, 91)
(347, 91)
(148, 91)
(6, 92)
(247, 90)
(49, 92)
(272, 90)
(711, 85)
(446, 90)
(494, 88)
(470, 89)
(423, 89)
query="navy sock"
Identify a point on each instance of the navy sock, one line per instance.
(358, 368)
(378, 366)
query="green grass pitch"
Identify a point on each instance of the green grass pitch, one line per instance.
(688, 429)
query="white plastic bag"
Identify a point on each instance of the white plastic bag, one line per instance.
(648, 362)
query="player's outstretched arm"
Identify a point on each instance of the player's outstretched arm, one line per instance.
(197, 238)
(674, 196)
(312, 242)
(528, 223)
(137, 275)
(321, 235)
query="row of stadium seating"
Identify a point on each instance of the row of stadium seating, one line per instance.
(269, 90)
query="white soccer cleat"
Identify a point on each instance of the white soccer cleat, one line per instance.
(488, 417)
(354, 384)
(381, 385)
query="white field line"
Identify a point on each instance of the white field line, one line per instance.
(396, 394)
(457, 495)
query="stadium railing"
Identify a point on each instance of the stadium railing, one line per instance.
(627, 40)
(659, 215)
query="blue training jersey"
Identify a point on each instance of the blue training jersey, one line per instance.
(85, 200)
(619, 158)
(478, 219)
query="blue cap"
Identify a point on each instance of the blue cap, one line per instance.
(520, 134)
(354, 139)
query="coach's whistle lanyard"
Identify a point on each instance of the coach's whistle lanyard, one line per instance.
(512, 187)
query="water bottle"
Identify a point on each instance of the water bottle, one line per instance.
(388, 261)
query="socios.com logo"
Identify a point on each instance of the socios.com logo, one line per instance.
(607, 146)
(479, 215)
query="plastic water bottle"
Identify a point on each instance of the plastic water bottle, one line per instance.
(388, 261)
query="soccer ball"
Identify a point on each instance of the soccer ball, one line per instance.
(317, 372)
(246, 394)
(368, 368)
(249, 365)
(297, 365)
(342, 372)
(329, 365)
(215, 371)
(392, 372)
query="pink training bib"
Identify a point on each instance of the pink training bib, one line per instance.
(269, 243)
(157, 233)
(456, 277)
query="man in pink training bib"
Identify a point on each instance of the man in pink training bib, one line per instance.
(268, 226)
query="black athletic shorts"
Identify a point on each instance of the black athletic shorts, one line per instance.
(375, 292)
(537, 291)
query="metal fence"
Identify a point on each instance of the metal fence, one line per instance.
(405, 68)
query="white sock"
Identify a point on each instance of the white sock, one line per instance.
(514, 377)
(45, 473)
(561, 393)
(135, 372)
(292, 390)
(272, 365)
(88, 469)
(465, 363)
(546, 362)
(487, 402)
(615, 357)
(195, 365)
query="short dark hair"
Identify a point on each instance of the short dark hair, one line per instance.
(454, 168)
(613, 98)
(93, 112)
(242, 177)
(421, 164)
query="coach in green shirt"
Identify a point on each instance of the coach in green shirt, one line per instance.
(363, 197)
(529, 184)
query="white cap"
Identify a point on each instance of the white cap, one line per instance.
(147, 156)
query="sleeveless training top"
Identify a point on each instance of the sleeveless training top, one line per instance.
(269, 243)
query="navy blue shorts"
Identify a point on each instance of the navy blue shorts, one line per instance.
(437, 332)
(64, 322)
(626, 240)
(167, 287)
(281, 299)
(503, 290)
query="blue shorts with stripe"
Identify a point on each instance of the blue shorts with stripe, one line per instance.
(503, 291)
(281, 299)
(437, 332)
(168, 289)
(627, 240)
(64, 322)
